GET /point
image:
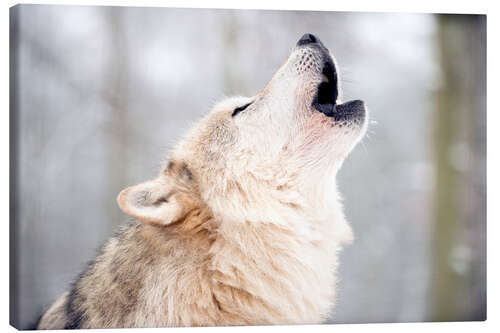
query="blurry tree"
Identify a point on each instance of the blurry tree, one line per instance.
(459, 243)
(230, 29)
(116, 93)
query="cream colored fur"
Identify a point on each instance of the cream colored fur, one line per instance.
(242, 226)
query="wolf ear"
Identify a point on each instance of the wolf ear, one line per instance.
(154, 202)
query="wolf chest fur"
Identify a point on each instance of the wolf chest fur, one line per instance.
(243, 224)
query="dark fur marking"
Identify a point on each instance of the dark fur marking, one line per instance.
(163, 200)
(170, 167)
(160, 202)
(76, 316)
(185, 170)
(217, 303)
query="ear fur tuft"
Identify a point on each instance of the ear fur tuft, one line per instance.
(154, 202)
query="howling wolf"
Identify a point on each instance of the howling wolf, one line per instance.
(243, 224)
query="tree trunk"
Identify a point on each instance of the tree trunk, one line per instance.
(116, 94)
(459, 268)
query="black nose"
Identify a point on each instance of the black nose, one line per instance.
(307, 39)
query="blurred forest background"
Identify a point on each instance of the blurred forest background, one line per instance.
(99, 94)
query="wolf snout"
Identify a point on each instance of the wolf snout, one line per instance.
(307, 39)
(310, 40)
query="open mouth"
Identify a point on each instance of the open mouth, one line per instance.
(326, 96)
(325, 100)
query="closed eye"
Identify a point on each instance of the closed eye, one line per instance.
(239, 109)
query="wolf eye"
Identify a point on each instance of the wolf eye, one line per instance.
(239, 109)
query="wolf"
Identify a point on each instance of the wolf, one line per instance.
(243, 224)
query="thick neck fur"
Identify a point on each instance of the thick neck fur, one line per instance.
(205, 269)
(263, 272)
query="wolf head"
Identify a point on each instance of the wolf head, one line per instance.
(269, 158)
